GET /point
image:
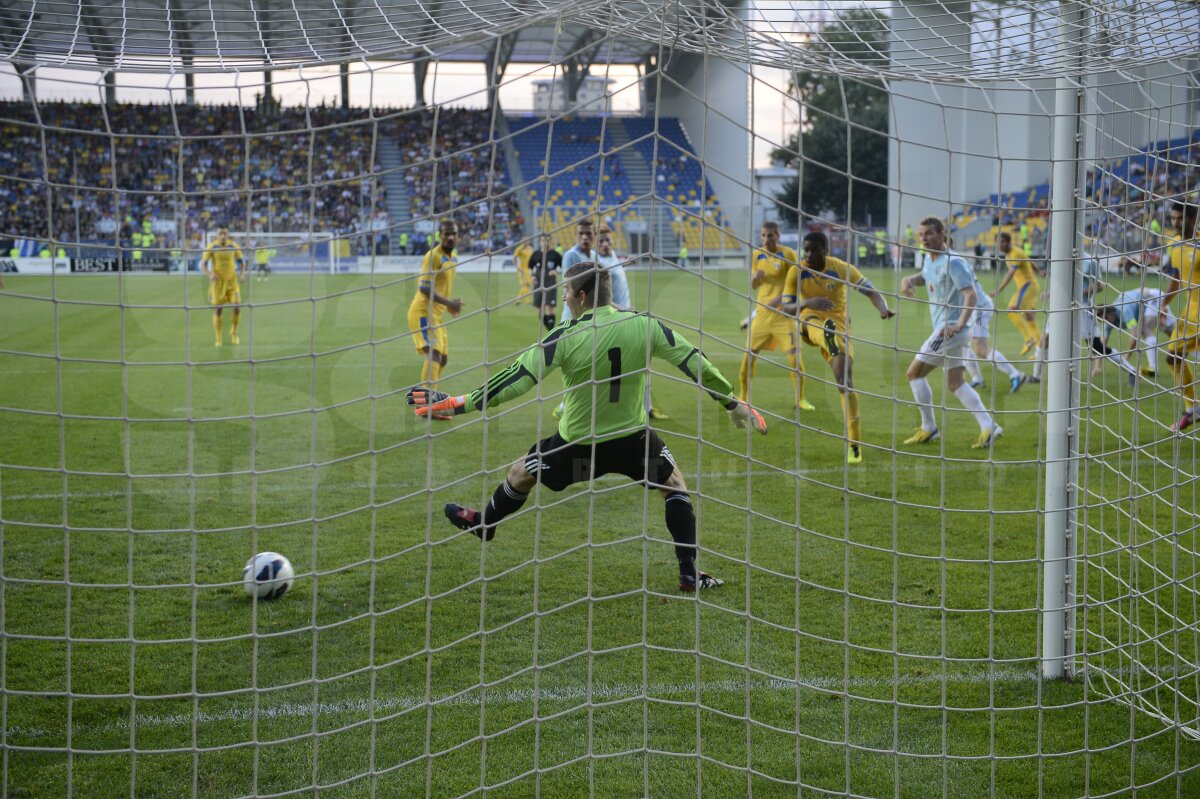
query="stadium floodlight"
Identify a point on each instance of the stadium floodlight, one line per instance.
(1003, 602)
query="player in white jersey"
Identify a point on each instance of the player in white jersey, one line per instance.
(981, 343)
(1095, 325)
(1143, 315)
(953, 295)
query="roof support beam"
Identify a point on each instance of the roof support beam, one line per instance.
(181, 31)
(578, 63)
(420, 71)
(498, 59)
(421, 66)
(102, 49)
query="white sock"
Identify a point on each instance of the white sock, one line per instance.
(1038, 366)
(1037, 354)
(973, 367)
(969, 397)
(923, 394)
(1152, 352)
(1005, 366)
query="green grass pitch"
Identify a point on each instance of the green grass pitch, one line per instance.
(877, 634)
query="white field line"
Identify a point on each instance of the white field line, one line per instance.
(203, 485)
(519, 696)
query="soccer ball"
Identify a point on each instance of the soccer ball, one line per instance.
(268, 575)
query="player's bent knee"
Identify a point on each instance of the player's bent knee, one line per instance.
(673, 484)
(520, 478)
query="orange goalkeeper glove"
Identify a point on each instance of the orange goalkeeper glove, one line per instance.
(437, 403)
(741, 413)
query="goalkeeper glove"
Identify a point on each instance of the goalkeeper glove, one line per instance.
(428, 401)
(741, 413)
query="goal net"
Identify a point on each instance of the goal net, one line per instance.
(962, 565)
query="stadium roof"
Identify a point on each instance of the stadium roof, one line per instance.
(223, 35)
(212, 35)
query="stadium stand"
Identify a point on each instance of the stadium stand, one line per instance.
(464, 169)
(104, 172)
(101, 171)
(1127, 196)
(570, 169)
(564, 185)
(679, 181)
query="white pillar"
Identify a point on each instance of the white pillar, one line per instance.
(1065, 198)
(927, 36)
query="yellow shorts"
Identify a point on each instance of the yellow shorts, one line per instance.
(225, 292)
(427, 332)
(827, 333)
(771, 329)
(1025, 299)
(1185, 338)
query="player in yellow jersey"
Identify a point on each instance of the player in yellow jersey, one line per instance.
(521, 256)
(770, 326)
(224, 264)
(1183, 267)
(434, 287)
(815, 291)
(1024, 273)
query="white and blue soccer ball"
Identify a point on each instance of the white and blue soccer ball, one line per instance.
(268, 575)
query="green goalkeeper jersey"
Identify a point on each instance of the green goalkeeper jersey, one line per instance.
(603, 356)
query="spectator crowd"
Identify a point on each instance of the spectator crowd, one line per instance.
(162, 176)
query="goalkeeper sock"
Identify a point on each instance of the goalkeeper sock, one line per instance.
(217, 324)
(505, 501)
(233, 323)
(681, 523)
(435, 373)
(425, 371)
(548, 321)
(923, 394)
(850, 412)
(969, 397)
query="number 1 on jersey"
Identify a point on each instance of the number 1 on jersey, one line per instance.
(614, 386)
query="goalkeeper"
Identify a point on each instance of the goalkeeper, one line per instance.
(603, 353)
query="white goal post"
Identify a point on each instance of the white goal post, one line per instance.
(292, 252)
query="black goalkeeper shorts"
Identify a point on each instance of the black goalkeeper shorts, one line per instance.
(642, 457)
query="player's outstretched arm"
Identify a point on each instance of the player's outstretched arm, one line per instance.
(878, 300)
(672, 347)
(511, 382)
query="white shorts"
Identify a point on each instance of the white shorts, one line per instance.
(1152, 310)
(1089, 327)
(980, 325)
(947, 353)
